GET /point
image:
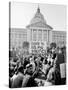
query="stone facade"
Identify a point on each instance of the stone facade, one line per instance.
(17, 37)
(38, 33)
(59, 37)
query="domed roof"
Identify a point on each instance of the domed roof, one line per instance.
(39, 21)
(38, 17)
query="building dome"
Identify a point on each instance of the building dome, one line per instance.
(38, 17)
(38, 21)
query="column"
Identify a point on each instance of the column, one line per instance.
(32, 35)
(37, 34)
(42, 34)
(47, 37)
(50, 36)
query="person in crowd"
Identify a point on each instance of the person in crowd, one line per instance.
(53, 76)
(28, 80)
(17, 79)
(60, 59)
(32, 63)
(26, 61)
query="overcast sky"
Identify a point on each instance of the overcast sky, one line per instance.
(22, 13)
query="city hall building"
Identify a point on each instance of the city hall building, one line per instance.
(38, 34)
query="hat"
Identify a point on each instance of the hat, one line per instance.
(28, 65)
(20, 68)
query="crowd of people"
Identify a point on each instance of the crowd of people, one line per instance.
(36, 70)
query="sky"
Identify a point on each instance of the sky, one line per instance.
(22, 14)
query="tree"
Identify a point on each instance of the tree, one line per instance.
(53, 44)
(25, 44)
(25, 48)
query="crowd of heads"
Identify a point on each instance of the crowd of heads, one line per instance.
(27, 69)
